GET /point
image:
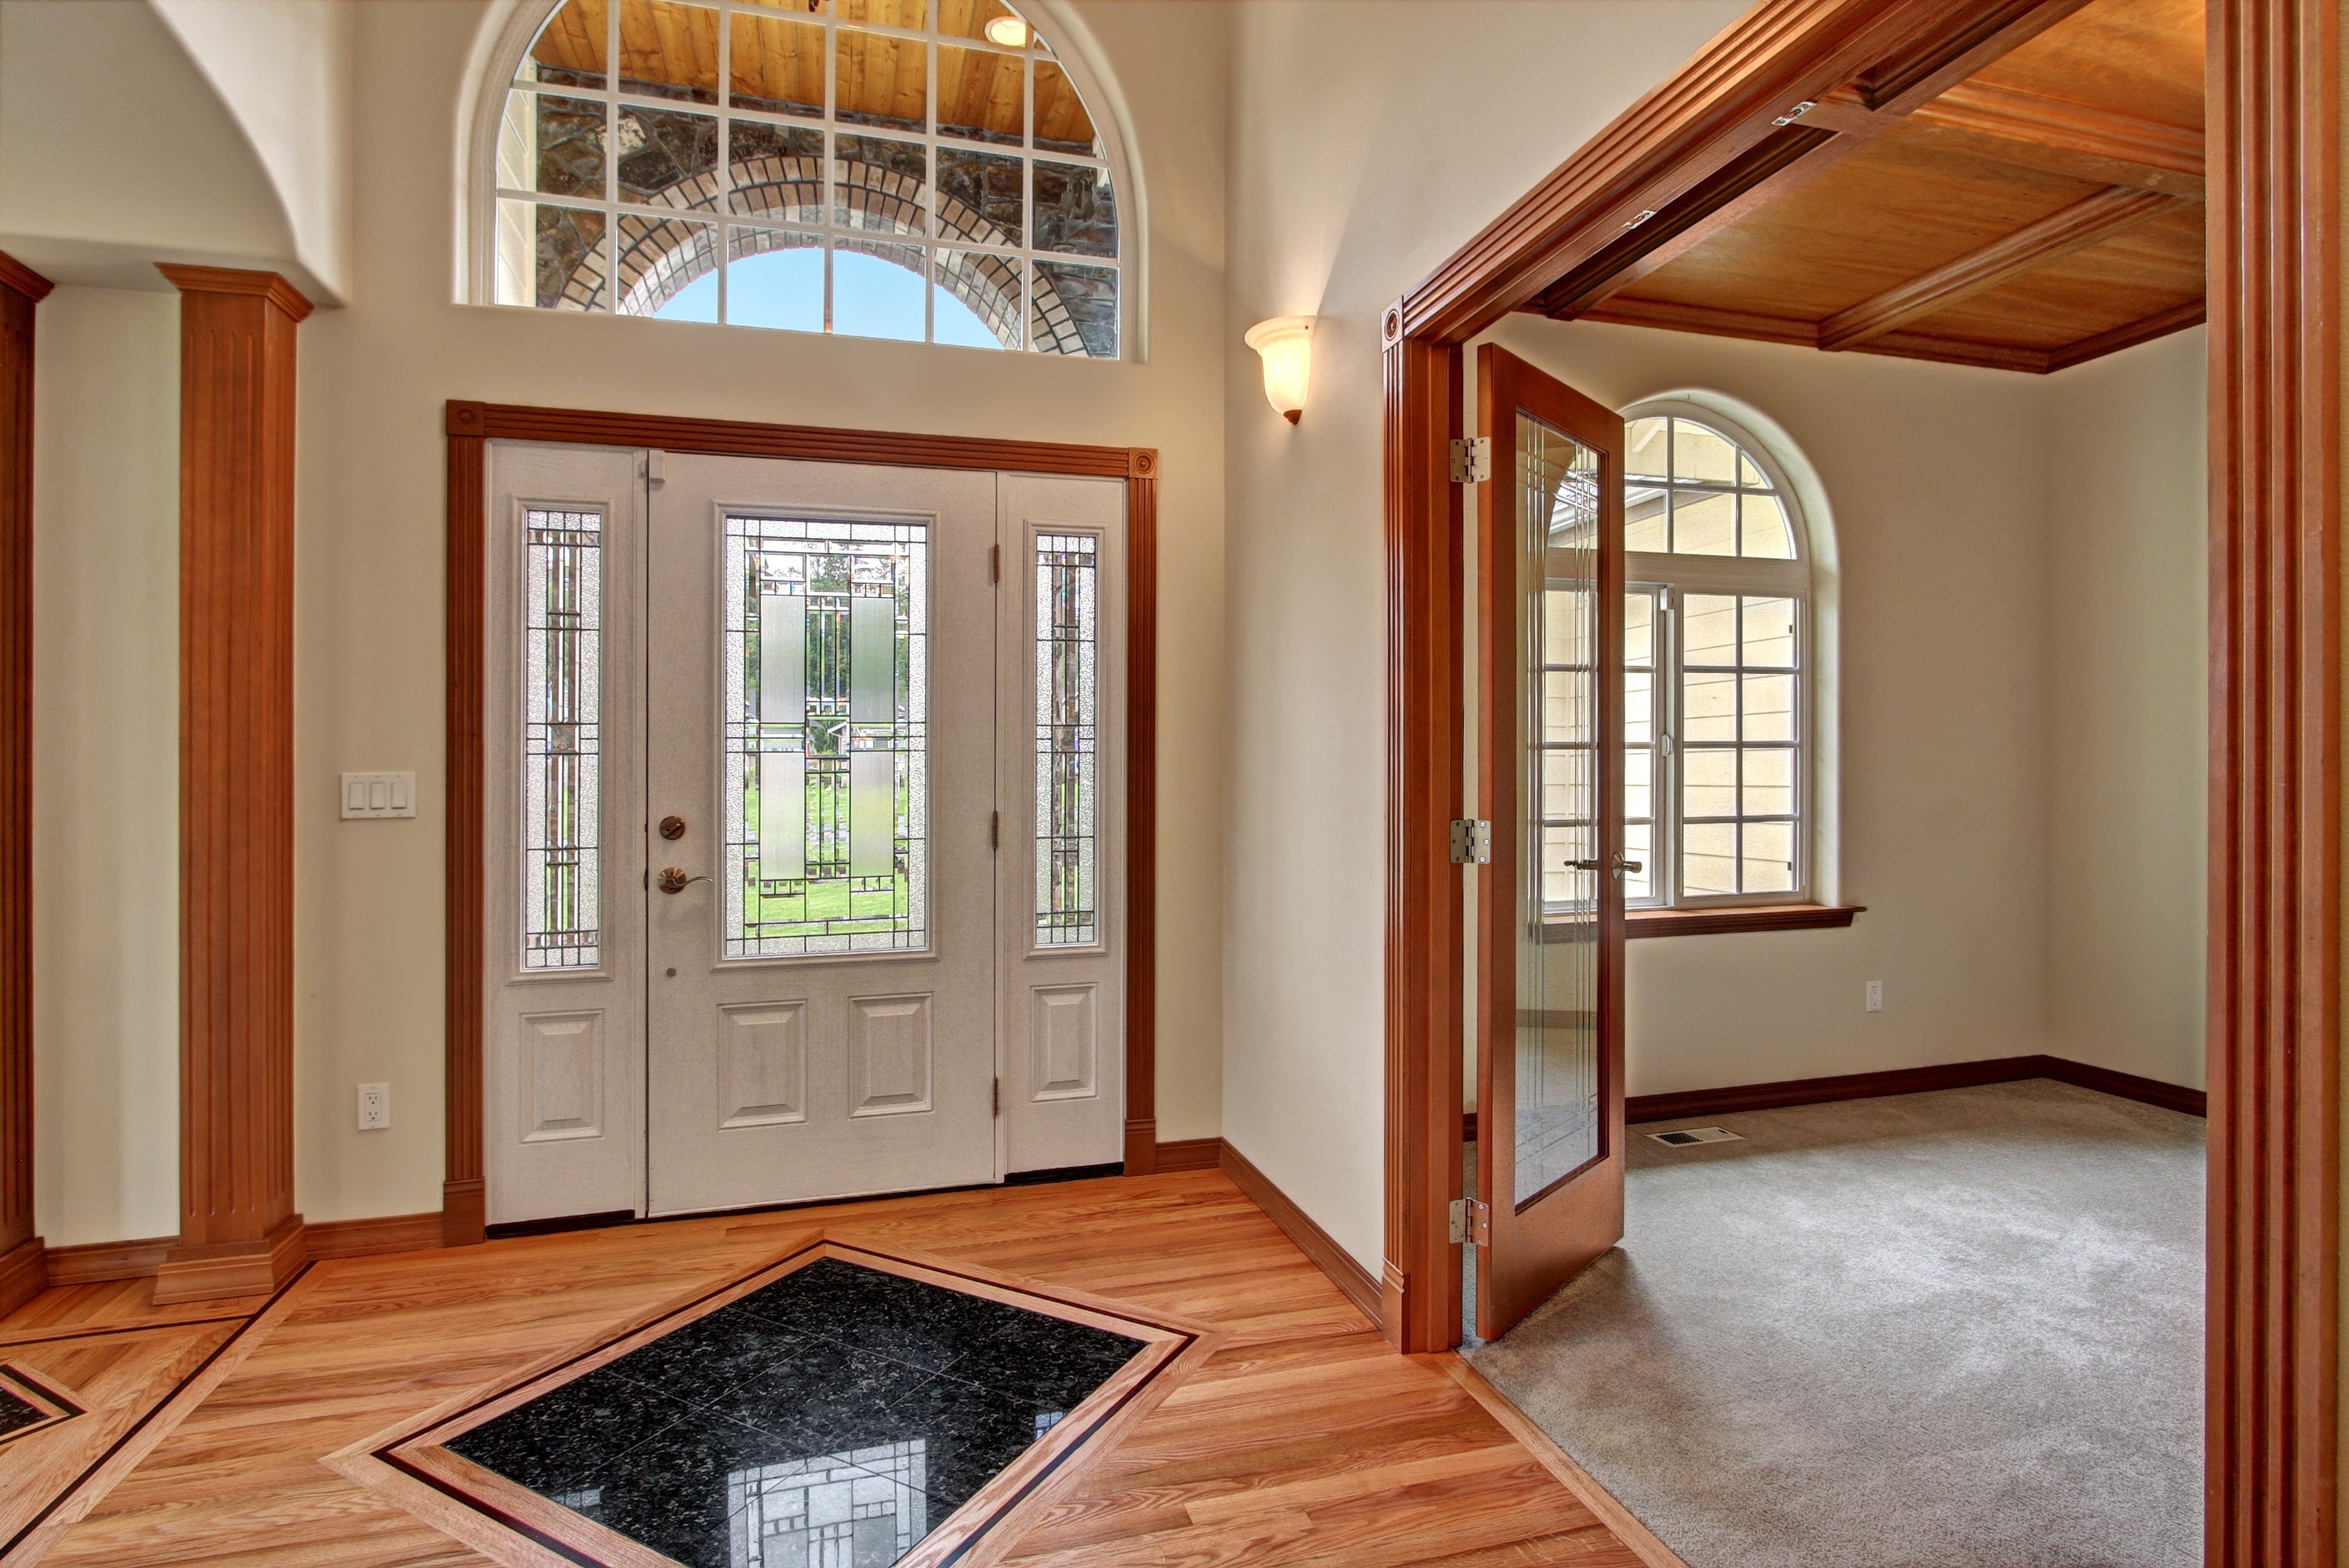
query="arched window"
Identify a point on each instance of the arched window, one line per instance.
(1720, 800)
(908, 168)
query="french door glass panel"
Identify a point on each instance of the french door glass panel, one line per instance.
(1559, 1120)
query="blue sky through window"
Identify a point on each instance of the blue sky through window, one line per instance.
(871, 297)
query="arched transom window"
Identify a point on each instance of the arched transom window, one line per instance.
(1718, 756)
(908, 168)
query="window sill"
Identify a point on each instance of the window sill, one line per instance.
(1638, 923)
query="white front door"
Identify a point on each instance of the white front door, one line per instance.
(853, 837)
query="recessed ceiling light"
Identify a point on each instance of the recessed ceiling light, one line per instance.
(1008, 31)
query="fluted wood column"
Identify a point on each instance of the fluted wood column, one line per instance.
(22, 1274)
(238, 1231)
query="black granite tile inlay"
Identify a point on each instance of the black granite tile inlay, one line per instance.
(836, 1415)
(17, 1413)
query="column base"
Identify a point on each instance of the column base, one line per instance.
(218, 1270)
(463, 1213)
(24, 1274)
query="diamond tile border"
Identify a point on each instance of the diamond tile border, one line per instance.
(408, 1465)
(54, 1403)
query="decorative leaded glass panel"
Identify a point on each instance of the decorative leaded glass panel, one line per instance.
(805, 132)
(1558, 1045)
(1067, 739)
(826, 765)
(563, 588)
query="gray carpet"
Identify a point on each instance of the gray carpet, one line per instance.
(1952, 1330)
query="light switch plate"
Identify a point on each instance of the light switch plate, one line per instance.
(379, 795)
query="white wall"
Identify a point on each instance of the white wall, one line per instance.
(115, 153)
(1370, 141)
(106, 743)
(283, 70)
(2129, 684)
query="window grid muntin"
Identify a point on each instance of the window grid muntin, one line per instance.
(1764, 482)
(1670, 577)
(758, 553)
(934, 245)
(562, 762)
(1067, 574)
(1739, 672)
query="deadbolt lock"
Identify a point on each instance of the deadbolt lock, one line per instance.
(672, 827)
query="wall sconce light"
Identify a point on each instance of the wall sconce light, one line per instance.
(1286, 344)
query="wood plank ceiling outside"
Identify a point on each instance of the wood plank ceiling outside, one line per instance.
(2040, 209)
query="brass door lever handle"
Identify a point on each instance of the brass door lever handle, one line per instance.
(673, 880)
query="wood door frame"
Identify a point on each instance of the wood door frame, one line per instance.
(2273, 101)
(471, 426)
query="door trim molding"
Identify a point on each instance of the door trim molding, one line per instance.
(2273, 87)
(471, 426)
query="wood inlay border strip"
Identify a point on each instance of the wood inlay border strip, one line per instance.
(470, 426)
(411, 1466)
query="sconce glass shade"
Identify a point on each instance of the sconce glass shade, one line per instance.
(1286, 344)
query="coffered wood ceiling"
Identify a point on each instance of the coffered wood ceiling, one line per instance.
(2038, 210)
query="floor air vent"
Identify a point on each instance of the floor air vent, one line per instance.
(1682, 1137)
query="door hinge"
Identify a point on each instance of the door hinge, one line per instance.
(1472, 842)
(654, 467)
(1472, 459)
(995, 563)
(1471, 1222)
(998, 1096)
(995, 830)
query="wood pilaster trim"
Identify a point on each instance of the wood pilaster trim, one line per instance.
(1349, 1276)
(234, 281)
(239, 1231)
(463, 1192)
(1141, 814)
(2086, 223)
(21, 1273)
(2275, 281)
(1738, 90)
(1424, 914)
(469, 427)
(18, 278)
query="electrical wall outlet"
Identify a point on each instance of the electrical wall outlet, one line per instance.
(374, 1107)
(1875, 996)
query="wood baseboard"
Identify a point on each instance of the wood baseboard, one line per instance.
(96, 1263)
(1190, 1154)
(383, 1234)
(24, 1274)
(1679, 1107)
(1360, 1286)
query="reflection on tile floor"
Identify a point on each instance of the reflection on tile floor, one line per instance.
(830, 1419)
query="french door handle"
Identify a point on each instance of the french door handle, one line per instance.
(1622, 865)
(673, 880)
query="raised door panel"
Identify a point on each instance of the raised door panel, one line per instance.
(762, 1064)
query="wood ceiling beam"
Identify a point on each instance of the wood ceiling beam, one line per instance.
(2123, 149)
(2082, 225)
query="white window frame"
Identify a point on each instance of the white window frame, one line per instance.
(1670, 577)
(509, 30)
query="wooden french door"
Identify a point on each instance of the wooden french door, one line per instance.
(1551, 897)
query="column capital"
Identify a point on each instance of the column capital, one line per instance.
(232, 281)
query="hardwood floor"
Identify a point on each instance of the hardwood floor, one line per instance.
(1303, 1438)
